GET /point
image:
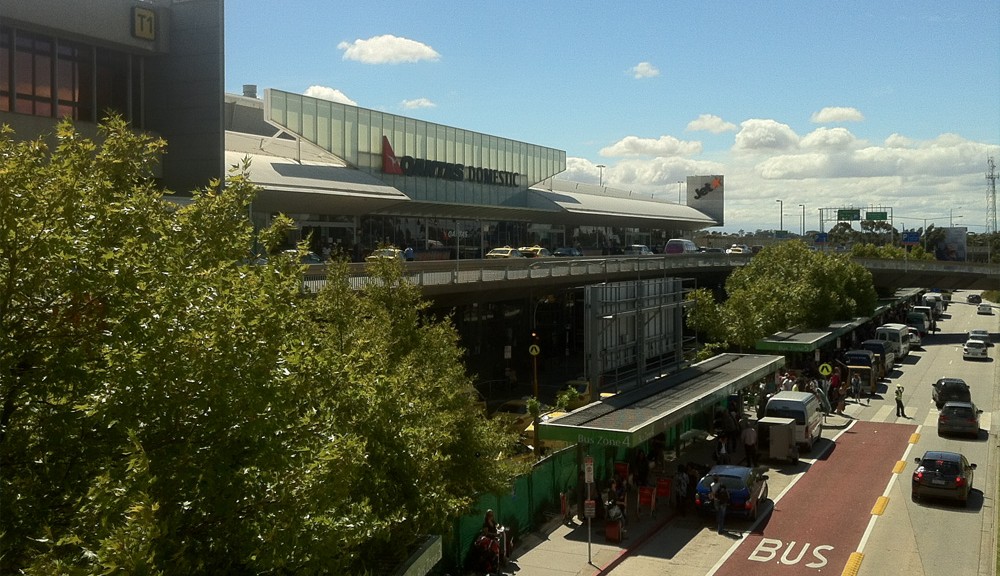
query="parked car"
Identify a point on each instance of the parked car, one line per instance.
(974, 299)
(981, 334)
(505, 252)
(307, 258)
(915, 341)
(950, 390)
(738, 249)
(984, 308)
(637, 250)
(942, 475)
(516, 413)
(974, 350)
(567, 251)
(959, 418)
(385, 254)
(747, 488)
(534, 251)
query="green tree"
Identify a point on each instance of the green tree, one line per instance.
(168, 407)
(784, 286)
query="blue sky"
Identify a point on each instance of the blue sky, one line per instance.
(891, 104)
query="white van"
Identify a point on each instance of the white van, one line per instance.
(805, 409)
(898, 337)
(679, 246)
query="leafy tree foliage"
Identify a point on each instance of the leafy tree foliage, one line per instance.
(168, 407)
(784, 286)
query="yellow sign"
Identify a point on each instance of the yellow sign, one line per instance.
(143, 23)
(825, 369)
(534, 349)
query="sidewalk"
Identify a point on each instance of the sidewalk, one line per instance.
(559, 548)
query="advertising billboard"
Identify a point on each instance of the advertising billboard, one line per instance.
(952, 247)
(706, 194)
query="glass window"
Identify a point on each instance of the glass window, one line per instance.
(113, 76)
(309, 119)
(323, 128)
(295, 113)
(5, 75)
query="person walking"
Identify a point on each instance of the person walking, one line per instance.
(679, 488)
(720, 497)
(900, 409)
(749, 437)
(856, 387)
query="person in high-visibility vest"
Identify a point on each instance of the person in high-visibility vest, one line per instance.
(900, 409)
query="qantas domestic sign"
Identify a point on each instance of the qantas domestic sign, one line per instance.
(410, 166)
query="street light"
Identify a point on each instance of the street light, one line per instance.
(802, 227)
(601, 168)
(781, 217)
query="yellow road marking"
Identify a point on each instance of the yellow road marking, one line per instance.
(880, 505)
(853, 564)
(915, 437)
(898, 468)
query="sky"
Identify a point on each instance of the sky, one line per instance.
(888, 105)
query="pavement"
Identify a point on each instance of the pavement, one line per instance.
(574, 548)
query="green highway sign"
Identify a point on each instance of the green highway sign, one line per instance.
(876, 216)
(852, 214)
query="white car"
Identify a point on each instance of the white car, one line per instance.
(914, 337)
(981, 334)
(984, 309)
(974, 350)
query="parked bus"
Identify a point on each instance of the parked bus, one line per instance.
(898, 337)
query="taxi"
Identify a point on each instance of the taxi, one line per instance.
(385, 254)
(505, 252)
(535, 251)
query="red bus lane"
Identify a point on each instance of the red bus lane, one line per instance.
(818, 523)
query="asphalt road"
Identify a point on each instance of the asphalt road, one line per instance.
(847, 510)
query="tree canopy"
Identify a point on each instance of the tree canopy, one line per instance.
(170, 406)
(783, 286)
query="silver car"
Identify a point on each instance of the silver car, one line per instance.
(959, 418)
(974, 350)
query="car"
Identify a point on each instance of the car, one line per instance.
(567, 252)
(974, 350)
(915, 341)
(637, 250)
(505, 252)
(974, 299)
(385, 254)
(942, 475)
(959, 418)
(534, 252)
(747, 488)
(984, 308)
(981, 334)
(517, 415)
(306, 258)
(738, 249)
(950, 390)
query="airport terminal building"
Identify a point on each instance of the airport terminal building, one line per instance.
(352, 178)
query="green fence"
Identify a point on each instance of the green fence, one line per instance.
(535, 498)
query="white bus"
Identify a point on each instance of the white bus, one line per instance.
(897, 336)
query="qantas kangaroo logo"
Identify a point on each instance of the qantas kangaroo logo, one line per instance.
(390, 164)
(708, 187)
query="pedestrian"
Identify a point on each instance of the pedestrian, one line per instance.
(720, 497)
(900, 409)
(856, 387)
(679, 488)
(721, 453)
(749, 436)
(408, 254)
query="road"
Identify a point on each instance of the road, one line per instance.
(847, 510)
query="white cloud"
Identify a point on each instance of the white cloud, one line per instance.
(644, 70)
(710, 123)
(418, 103)
(387, 49)
(829, 139)
(663, 146)
(837, 114)
(327, 93)
(770, 135)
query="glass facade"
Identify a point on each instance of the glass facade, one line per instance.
(42, 75)
(355, 134)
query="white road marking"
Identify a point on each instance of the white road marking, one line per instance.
(985, 421)
(888, 487)
(883, 413)
(932, 418)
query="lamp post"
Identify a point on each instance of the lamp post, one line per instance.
(802, 226)
(781, 216)
(600, 168)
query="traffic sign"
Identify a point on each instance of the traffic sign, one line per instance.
(588, 469)
(534, 349)
(589, 508)
(825, 369)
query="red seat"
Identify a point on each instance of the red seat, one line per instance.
(647, 499)
(663, 487)
(621, 470)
